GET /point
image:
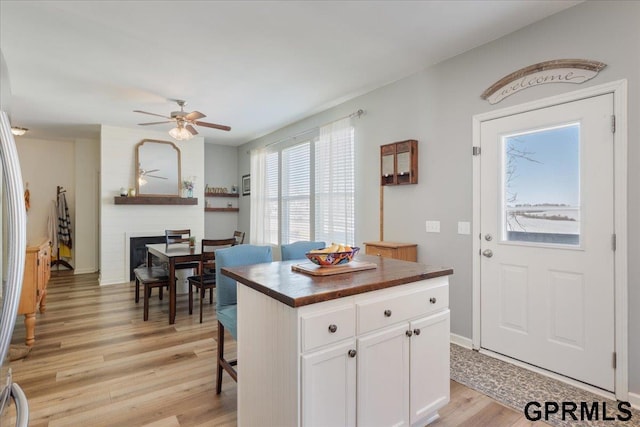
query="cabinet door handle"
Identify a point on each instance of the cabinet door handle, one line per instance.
(432, 300)
(387, 313)
(409, 333)
(416, 331)
(352, 353)
(333, 328)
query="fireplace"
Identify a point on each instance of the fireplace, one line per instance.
(138, 251)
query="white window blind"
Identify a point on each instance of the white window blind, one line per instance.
(305, 190)
(272, 213)
(335, 183)
(296, 193)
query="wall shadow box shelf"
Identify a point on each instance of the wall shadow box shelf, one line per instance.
(145, 200)
(221, 209)
(236, 195)
(399, 163)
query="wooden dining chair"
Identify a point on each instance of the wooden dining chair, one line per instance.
(226, 299)
(175, 237)
(297, 250)
(205, 280)
(239, 236)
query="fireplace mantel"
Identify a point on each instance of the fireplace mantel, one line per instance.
(147, 200)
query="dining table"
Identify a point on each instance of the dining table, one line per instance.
(173, 254)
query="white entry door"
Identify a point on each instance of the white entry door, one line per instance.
(547, 224)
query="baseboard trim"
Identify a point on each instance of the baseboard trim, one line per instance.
(84, 271)
(634, 399)
(461, 341)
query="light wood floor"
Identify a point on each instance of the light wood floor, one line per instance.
(96, 363)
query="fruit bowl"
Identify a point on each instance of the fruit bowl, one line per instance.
(332, 259)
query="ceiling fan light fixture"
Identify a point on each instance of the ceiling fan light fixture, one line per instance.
(17, 131)
(186, 122)
(180, 133)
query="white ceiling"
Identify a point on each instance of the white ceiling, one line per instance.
(253, 65)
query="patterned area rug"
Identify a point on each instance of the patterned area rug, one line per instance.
(516, 387)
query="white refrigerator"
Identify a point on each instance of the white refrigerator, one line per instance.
(12, 254)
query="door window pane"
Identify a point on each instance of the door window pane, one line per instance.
(541, 186)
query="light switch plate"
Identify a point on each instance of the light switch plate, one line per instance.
(464, 227)
(432, 226)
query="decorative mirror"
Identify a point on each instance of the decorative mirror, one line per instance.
(157, 168)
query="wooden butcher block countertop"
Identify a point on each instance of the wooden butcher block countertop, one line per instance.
(296, 289)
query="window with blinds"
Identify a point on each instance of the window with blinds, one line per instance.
(272, 197)
(310, 188)
(335, 185)
(296, 193)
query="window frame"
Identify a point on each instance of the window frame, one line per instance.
(311, 137)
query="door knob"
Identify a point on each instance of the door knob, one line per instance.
(488, 237)
(488, 253)
(352, 353)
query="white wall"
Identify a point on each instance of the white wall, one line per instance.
(73, 165)
(45, 165)
(436, 107)
(221, 170)
(87, 194)
(119, 222)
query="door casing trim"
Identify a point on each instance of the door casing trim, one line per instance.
(619, 90)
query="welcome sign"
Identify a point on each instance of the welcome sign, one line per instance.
(556, 71)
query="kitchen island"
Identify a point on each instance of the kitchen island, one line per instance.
(365, 348)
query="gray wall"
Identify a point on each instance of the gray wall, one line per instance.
(5, 86)
(220, 170)
(436, 106)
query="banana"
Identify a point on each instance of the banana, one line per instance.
(334, 247)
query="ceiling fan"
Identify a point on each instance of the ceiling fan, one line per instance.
(148, 173)
(184, 120)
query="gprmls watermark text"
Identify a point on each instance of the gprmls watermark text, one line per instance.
(578, 411)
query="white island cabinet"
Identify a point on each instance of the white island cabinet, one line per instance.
(369, 348)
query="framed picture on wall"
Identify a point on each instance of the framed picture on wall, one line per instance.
(246, 185)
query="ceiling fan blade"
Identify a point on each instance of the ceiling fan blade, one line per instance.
(151, 114)
(213, 125)
(191, 129)
(155, 176)
(194, 115)
(154, 123)
(152, 170)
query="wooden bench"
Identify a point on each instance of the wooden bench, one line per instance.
(154, 277)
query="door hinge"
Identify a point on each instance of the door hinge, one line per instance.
(613, 242)
(476, 151)
(613, 124)
(615, 360)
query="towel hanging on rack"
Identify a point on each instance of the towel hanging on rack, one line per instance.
(64, 222)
